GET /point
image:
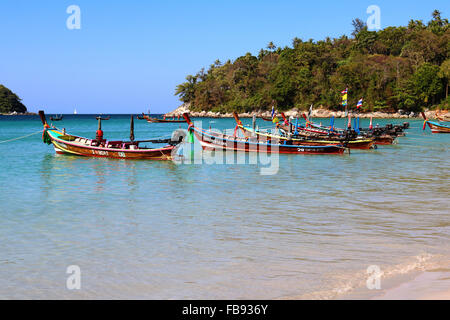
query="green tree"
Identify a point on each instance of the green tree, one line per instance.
(271, 46)
(426, 84)
(438, 25)
(366, 40)
(444, 73)
(186, 90)
(358, 26)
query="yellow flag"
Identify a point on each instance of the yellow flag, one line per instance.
(344, 100)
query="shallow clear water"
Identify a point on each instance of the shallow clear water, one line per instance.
(144, 229)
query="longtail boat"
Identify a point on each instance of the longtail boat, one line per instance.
(443, 116)
(144, 116)
(100, 118)
(211, 140)
(56, 118)
(435, 126)
(296, 140)
(70, 144)
(157, 120)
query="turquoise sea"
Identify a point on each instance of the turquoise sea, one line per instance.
(161, 230)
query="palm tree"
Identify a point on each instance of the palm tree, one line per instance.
(271, 46)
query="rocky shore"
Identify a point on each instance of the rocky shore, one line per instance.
(316, 113)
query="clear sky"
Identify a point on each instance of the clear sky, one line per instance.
(129, 56)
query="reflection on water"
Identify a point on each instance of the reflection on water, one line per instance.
(145, 229)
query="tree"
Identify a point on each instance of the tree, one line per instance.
(186, 90)
(271, 46)
(438, 25)
(444, 73)
(366, 40)
(10, 102)
(392, 39)
(358, 26)
(426, 84)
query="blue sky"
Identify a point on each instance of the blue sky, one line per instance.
(129, 56)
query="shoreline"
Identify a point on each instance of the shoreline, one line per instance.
(316, 113)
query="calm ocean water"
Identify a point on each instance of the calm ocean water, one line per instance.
(158, 230)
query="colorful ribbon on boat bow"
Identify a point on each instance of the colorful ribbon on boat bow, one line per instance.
(45, 136)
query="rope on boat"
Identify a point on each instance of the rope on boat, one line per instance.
(22, 137)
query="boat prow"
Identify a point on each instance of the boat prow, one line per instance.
(436, 126)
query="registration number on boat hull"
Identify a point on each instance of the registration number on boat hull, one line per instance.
(100, 152)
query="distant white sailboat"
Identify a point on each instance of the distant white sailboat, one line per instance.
(75, 111)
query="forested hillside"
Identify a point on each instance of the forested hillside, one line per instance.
(395, 68)
(10, 102)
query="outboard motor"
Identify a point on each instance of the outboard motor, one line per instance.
(377, 132)
(350, 134)
(177, 137)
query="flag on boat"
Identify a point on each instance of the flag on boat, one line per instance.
(344, 97)
(310, 112)
(360, 103)
(273, 112)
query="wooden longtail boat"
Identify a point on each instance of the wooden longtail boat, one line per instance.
(70, 144)
(443, 116)
(56, 118)
(217, 141)
(156, 120)
(164, 120)
(383, 140)
(363, 144)
(435, 126)
(100, 118)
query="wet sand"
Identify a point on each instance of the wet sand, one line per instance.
(434, 285)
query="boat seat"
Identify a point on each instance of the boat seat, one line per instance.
(129, 145)
(114, 144)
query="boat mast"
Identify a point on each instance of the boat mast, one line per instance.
(132, 129)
